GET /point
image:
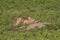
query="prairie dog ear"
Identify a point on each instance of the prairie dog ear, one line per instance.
(29, 18)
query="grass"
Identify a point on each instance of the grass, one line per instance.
(41, 10)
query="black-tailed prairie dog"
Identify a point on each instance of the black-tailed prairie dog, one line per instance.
(24, 20)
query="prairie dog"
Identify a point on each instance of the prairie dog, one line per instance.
(24, 20)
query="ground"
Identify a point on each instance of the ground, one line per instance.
(41, 10)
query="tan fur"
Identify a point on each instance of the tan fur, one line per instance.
(24, 20)
(38, 25)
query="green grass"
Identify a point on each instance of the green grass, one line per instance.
(41, 10)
